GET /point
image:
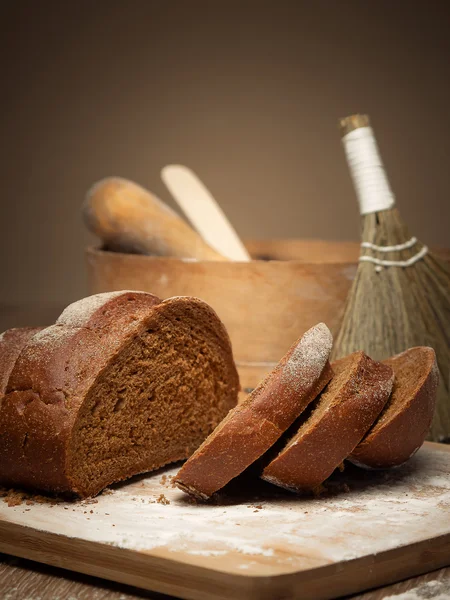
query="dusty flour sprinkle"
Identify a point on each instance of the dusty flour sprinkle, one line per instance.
(78, 313)
(50, 336)
(310, 356)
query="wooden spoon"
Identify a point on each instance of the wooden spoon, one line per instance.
(203, 212)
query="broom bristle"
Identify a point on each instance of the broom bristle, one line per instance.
(390, 309)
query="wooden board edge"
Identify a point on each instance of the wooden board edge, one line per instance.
(192, 582)
(130, 567)
(365, 573)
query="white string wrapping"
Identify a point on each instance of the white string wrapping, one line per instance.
(395, 263)
(409, 244)
(367, 171)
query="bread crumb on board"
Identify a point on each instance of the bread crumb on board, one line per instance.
(13, 498)
(168, 481)
(89, 501)
(257, 507)
(162, 499)
(18, 497)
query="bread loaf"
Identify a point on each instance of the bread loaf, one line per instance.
(404, 423)
(123, 383)
(341, 415)
(254, 426)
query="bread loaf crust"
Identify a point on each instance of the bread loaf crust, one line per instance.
(55, 371)
(392, 443)
(254, 426)
(12, 342)
(312, 454)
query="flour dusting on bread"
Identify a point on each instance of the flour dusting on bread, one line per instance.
(309, 356)
(78, 313)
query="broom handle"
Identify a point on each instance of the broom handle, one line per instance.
(366, 167)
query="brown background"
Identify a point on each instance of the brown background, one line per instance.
(246, 93)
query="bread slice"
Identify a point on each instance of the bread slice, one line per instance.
(339, 419)
(404, 423)
(123, 383)
(12, 342)
(251, 428)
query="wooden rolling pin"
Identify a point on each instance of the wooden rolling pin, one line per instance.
(128, 218)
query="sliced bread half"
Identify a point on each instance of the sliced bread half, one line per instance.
(123, 383)
(340, 417)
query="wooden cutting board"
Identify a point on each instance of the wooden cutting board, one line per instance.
(258, 542)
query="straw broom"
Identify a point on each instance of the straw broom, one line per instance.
(401, 293)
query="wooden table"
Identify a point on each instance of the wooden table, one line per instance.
(22, 579)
